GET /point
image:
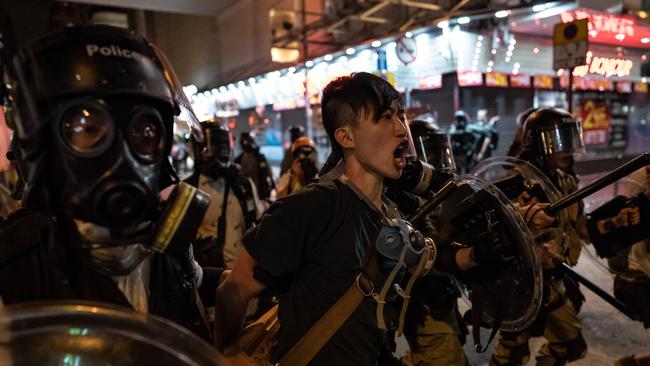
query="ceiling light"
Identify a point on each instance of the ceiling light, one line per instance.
(502, 13)
(408, 34)
(292, 70)
(328, 58)
(376, 44)
(540, 7)
(620, 36)
(507, 59)
(645, 40)
(490, 63)
(463, 20)
(309, 63)
(350, 51)
(494, 51)
(443, 24)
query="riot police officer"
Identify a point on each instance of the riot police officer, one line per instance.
(463, 141)
(550, 137)
(234, 205)
(92, 110)
(433, 329)
(254, 165)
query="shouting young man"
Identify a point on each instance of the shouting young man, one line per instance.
(311, 245)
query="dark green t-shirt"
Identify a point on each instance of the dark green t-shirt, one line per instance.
(314, 242)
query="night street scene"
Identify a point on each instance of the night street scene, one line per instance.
(324, 182)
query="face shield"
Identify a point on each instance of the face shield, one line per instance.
(564, 137)
(435, 150)
(218, 146)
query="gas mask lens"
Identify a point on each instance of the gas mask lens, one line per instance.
(87, 130)
(145, 134)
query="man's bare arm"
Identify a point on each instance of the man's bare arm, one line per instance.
(232, 299)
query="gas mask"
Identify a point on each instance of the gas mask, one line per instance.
(247, 142)
(401, 249)
(94, 109)
(216, 153)
(111, 152)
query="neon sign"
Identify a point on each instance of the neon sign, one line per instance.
(604, 66)
(611, 29)
(602, 22)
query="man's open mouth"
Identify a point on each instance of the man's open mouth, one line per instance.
(400, 150)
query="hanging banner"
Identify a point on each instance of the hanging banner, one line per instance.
(521, 81)
(496, 79)
(624, 86)
(470, 78)
(640, 87)
(430, 82)
(543, 82)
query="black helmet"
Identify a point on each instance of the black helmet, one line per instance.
(432, 145)
(94, 108)
(548, 131)
(296, 131)
(519, 131)
(217, 150)
(247, 141)
(461, 117)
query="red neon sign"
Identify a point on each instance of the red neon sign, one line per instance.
(611, 29)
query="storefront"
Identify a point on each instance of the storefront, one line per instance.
(498, 71)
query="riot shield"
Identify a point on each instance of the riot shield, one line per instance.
(507, 297)
(96, 334)
(517, 179)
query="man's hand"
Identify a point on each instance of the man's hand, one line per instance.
(628, 216)
(535, 216)
(232, 299)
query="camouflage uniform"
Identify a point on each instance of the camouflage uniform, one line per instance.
(557, 320)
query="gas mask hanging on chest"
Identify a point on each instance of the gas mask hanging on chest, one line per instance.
(401, 249)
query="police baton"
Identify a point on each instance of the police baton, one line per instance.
(433, 202)
(600, 183)
(619, 305)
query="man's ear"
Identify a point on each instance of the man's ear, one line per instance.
(343, 136)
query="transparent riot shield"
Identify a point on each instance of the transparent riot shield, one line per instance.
(96, 334)
(522, 183)
(507, 297)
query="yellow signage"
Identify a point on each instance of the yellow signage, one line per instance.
(572, 32)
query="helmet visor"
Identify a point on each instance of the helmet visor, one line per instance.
(435, 150)
(562, 138)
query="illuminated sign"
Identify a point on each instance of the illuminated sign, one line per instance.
(587, 83)
(496, 79)
(543, 82)
(596, 119)
(431, 82)
(604, 66)
(640, 87)
(602, 22)
(609, 28)
(624, 86)
(521, 81)
(470, 78)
